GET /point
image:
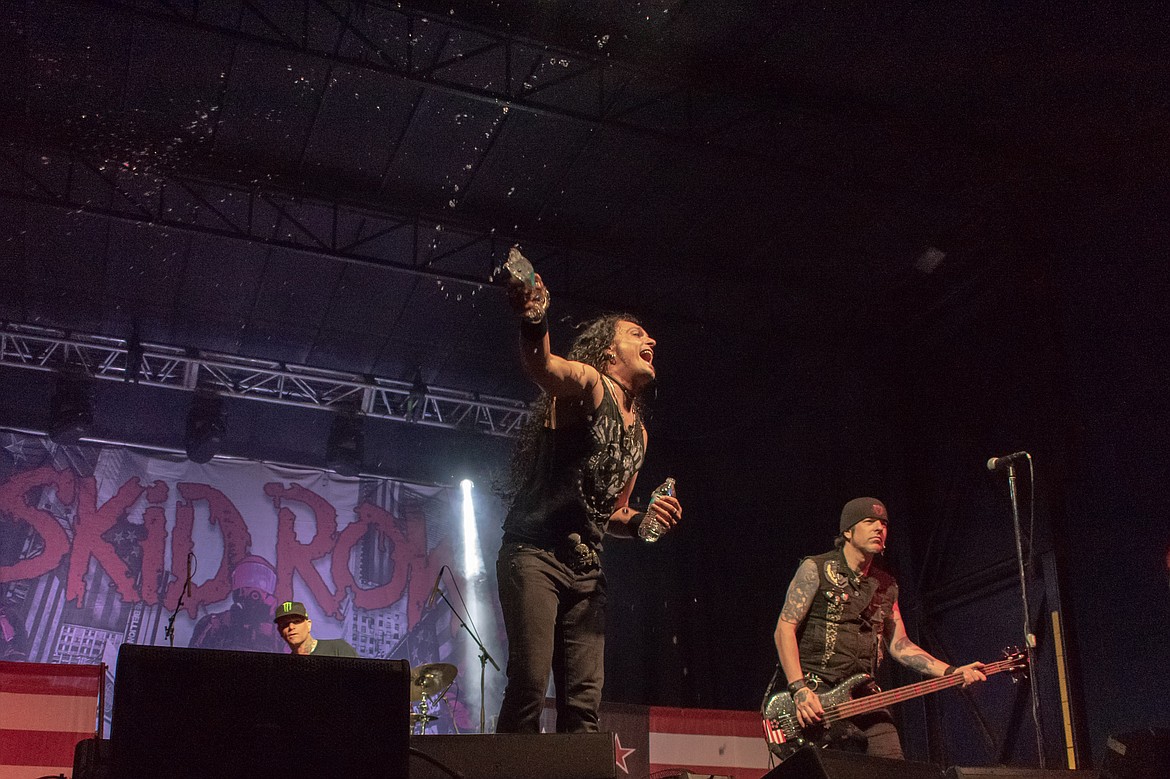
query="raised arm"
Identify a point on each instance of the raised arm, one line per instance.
(913, 656)
(552, 373)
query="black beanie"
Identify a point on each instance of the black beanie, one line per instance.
(862, 508)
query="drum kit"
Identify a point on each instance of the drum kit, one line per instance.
(428, 685)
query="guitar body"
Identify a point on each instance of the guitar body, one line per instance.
(856, 695)
(784, 733)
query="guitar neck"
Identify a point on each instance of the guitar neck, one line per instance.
(852, 708)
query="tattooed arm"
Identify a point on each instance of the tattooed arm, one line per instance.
(801, 590)
(913, 656)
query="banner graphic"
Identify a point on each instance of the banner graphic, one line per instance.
(96, 543)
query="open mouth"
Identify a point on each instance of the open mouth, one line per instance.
(647, 355)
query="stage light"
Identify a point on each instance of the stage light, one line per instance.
(929, 260)
(346, 445)
(480, 613)
(134, 356)
(205, 428)
(70, 409)
(472, 555)
(415, 406)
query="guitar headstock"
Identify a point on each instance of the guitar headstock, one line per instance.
(1015, 662)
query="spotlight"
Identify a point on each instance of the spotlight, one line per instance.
(346, 445)
(70, 409)
(929, 260)
(472, 556)
(205, 428)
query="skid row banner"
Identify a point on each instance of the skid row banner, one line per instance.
(96, 543)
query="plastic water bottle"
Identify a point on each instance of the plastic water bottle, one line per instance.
(651, 528)
(521, 269)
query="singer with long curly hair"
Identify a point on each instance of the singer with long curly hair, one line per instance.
(572, 475)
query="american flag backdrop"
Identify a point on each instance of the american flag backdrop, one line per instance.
(45, 710)
(660, 741)
(708, 741)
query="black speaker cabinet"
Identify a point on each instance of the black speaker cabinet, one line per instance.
(1138, 754)
(960, 772)
(199, 713)
(514, 756)
(91, 759)
(815, 763)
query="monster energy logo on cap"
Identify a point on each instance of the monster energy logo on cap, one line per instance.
(290, 608)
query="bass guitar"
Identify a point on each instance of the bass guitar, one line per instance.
(856, 695)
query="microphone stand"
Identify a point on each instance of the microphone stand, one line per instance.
(484, 658)
(170, 631)
(1029, 637)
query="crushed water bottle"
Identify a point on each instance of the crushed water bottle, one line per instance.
(519, 268)
(651, 529)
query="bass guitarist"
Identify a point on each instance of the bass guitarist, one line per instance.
(840, 614)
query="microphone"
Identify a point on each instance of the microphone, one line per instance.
(995, 463)
(435, 590)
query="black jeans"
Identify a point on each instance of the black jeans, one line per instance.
(873, 733)
(555, 620)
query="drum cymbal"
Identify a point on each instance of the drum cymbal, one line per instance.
(431, 679)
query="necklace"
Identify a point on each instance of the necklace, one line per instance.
(629, 392)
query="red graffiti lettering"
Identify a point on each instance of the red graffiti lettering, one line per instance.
(17, 506)
(154, 546)
(294, 557)
(412, 564)
(90, 524)
(424, 568)
(237, 544)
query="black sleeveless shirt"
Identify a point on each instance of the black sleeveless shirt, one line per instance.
(843, 632)
(578, 472)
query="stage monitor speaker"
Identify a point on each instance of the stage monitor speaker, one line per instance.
(514, 756)
(91, 759)
(1137, 754)
(999, 772)
(199, 713)
(814, 763)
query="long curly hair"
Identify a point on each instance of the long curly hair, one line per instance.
(595, 338)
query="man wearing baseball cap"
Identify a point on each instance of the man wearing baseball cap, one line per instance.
(840, 611)
(295, 627)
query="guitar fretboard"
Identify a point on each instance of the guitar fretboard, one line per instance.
(880, 700)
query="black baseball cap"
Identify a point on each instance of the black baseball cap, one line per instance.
(290, 608)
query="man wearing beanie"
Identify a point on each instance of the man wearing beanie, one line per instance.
(841, 611)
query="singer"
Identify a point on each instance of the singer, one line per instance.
(572, 475)
(840, 608)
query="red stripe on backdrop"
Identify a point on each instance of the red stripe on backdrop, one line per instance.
(702, 771)
(38, 747)
(50, 679)
(705, 722)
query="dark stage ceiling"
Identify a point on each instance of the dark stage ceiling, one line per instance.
(332, 183)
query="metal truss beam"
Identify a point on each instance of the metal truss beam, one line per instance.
(442, 250)
(157, 365)
(444, 54)
(412, 244)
